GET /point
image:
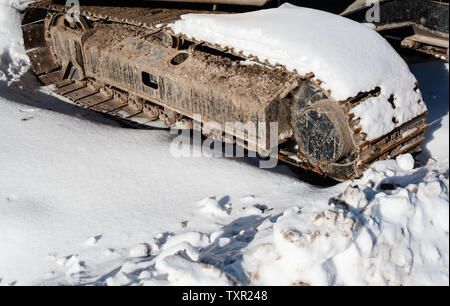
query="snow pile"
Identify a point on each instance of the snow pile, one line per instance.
(405, 162)
(211, 208)
(141, 250)
(346, 56)
(177, 262)
(389, 228)
(408, 227)
(371, 237)
(185, 272)
(303, 241)
(13, 60)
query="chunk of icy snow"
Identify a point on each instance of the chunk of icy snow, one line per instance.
(141, 250)
(91, 241)
(184, 247)
(346, 56)
(196, 239)
(405, 162)
(128, 267)
(74, 265)
(118, 280)
(184, 272)
(210, 207)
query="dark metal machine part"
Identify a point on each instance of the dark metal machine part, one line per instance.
(421, 25)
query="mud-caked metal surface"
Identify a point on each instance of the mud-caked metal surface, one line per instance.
(127, 63)
(329, 137)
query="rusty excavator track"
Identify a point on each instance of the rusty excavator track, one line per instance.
(125, 62)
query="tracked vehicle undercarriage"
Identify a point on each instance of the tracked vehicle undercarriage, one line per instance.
(125, 62)
(421, 25)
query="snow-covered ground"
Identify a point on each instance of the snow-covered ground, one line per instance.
(85, 201)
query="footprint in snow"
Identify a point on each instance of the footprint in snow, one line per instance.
(12, 197)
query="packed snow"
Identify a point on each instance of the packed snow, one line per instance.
(84, 201)
(347, 57)
(13, 60)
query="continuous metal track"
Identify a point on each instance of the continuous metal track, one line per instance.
(427, 19)
(109, 99)
(425, 43)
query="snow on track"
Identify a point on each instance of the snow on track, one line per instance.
(346, 56)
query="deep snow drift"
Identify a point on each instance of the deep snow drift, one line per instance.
(346, 56)
(85, 201)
